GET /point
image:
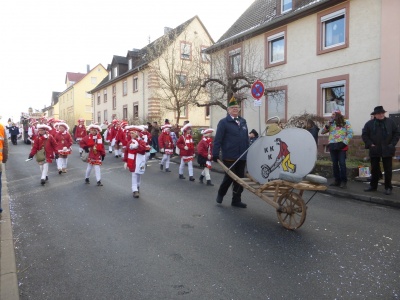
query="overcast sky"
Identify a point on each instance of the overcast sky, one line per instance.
(41, 40)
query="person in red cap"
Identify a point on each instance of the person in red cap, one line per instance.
(204, 155)
(121, 139)
(186, 146)
(93, 144)
(32, 131)
(80, 133)
(166, 145)
(112, 135)
(45, 141)
(134, 157)
(64, 143)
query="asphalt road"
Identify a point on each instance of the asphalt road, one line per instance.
(77, 241)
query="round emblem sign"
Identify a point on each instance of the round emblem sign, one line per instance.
(257, 89)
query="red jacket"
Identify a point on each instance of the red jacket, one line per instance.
(185, 140)
(63, 140)
(49, 144)
(165, 141)
(80, 132)
(131, 154)
(95, 145)
(205, 147)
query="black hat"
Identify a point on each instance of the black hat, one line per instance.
(253, 131)
(378, 110)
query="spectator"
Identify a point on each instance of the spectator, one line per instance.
(3, 154)
(380, 136)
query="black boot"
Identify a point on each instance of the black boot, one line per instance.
(161, 167)
(201, 179)
(209, 183)
(191, 178)
(42, 181)
(167, 170)
(99, 183)
(181, 176)
(87, 180)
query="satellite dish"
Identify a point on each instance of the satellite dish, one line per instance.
(291, 150)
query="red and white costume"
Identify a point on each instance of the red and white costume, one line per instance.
(166, 145)
(80, 132)
(134, 157)
(112, 134)
(32, 131)
(204, 154)
(186, 146)
(64, 143)
(46, 141)
(146, 136)
(93, 144)
(121, 138)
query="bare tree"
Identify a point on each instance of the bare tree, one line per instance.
(234, 70)
(179, 69)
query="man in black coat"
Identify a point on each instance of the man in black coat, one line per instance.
(14, 132)
(380, 136)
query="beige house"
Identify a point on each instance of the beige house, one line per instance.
(154, 83)
(75, 101)
(53, 111)
(320, 55)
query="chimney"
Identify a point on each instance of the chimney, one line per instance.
(87, 68)
(167, 29)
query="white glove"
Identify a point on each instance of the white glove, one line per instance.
(209, 156)
(133, 145)
(125, 165)
(186, 147)
(120, 144)
(65, 149)
(162, 150)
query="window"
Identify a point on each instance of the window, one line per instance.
(207, 111)
(286, 5)
(99, 117)
(235, 61)
(114, 104)
(130, 63)
(186, 50)
(114, 89)
(109, 75)
(105, 95)
(135, 111)
(205, 58)
(93, 80)
(98, 98)
(181, 80)
(105, 115)
(276, 103)
(115, 72)
(333, 29)
(124, 88)
(276, 47)
(125, 112)
(135, 84)
(333, 94)
(183, 110)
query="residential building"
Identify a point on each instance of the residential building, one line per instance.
(320, 55)
(154, 83)
(53, 111)
(75, 101)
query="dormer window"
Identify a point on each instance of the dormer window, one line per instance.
(130, 64)
(286, 5)
(109, 75)
(115, 69)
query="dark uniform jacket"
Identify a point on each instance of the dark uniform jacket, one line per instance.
(384, 134)
(232, 139)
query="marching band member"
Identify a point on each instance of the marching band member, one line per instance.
(32, 131)
(134, 157)
(44, 141)
(204, 154)
(93, 144)
(121, 139)
(146, 136)
(64, 143)
(113, 134)
(107, 137)
(186, 146)
(80, 133)
(166, 146)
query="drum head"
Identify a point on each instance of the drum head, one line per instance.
(292, 150)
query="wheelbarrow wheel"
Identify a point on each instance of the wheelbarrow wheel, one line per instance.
(292, 210)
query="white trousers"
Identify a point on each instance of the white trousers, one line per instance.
(44, 169)
(61, 163)
(96, 170)
(165, 160)
(182, 166)
(206, 173)
(135, 182)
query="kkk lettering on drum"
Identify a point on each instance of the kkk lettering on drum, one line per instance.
(291, 151)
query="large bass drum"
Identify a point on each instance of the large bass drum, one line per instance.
(291, 151)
